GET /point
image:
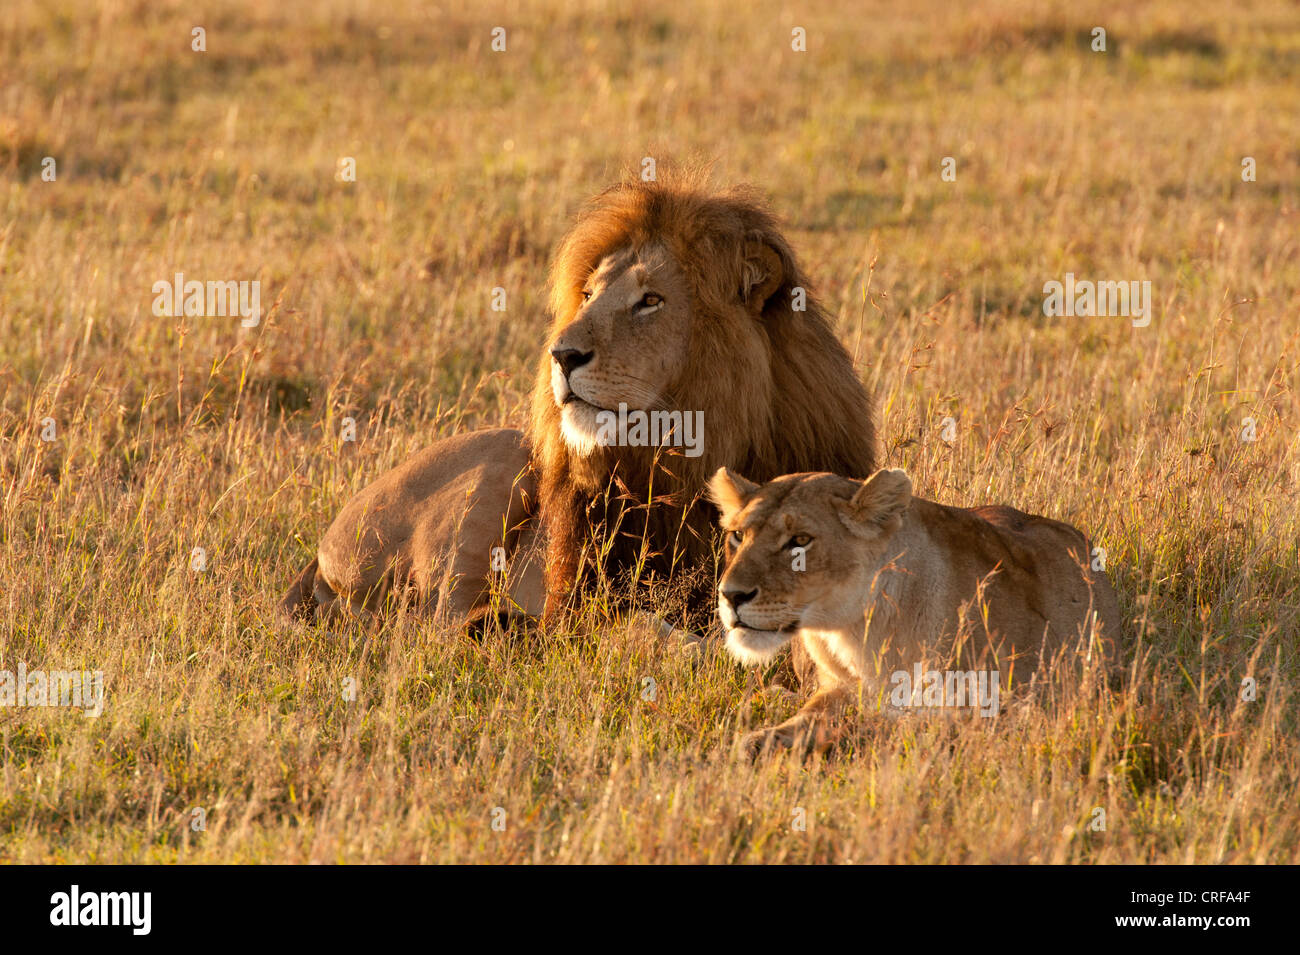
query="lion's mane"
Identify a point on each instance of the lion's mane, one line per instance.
(793, 403)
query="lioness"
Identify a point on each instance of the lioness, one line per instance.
(874, 581)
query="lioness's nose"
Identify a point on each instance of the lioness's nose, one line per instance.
(738, 597)
(570, 358)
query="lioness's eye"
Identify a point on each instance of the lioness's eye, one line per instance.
(650, 300)
(799, 540)
(734, 538)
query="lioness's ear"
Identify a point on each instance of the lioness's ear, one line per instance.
(878, 505)
(762, 273)
(730, 492)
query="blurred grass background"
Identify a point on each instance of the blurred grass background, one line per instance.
(177, 433)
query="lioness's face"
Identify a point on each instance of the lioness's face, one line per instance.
(627, 344)
(798, 549)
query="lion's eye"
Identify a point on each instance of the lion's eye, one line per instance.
(734, 538)
(586, 294)
(650, 300)
(799, 540)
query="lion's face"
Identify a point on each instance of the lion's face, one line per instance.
(685, 304)
(801, 552)
(627, 344)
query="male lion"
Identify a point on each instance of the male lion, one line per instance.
(671, 297)
(666, 297)
(875, 581)
(450, 527)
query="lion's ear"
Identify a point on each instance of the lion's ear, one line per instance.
(877, 506)
(730, 492)
(762, 274)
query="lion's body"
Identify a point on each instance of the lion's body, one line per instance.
(738, 339)
(430, 527)
(889, 583)
(736, 335)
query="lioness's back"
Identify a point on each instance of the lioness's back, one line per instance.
(1047, 562)
(879, 585)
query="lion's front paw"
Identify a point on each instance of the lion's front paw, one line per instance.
(678, 639)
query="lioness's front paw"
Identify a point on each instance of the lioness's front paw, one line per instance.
(773, 739)
(752, 745)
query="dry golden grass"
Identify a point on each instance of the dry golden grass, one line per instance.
(174, 434)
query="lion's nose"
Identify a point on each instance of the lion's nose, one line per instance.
(738, 597)
(570, 358)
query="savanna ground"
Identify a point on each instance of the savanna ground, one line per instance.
(173, 434)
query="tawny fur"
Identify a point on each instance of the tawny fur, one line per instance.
(777, 388)
(428, 530)
(885, 581)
